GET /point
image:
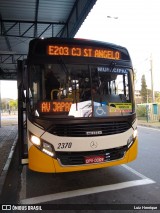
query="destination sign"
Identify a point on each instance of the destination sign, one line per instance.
(78, 51)
(54, 106)
(114, 70)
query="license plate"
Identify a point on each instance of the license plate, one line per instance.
(94, 159)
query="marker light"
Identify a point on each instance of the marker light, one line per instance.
(47, 148)
(135, 133)
(130, 141)
(132, 138)
(35, 140)
(48, 152)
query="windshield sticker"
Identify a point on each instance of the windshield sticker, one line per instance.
(84, 109)
(114, 70)
(100, 110)
(120, 107)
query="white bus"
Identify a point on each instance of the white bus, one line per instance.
(80, 108)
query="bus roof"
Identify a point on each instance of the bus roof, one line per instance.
(38, 46)
(80, 41)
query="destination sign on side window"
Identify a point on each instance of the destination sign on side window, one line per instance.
(55, 106)
(114, 70)
(78, 51)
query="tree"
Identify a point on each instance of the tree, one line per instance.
(13, 105)
(143, 92)
(7, 104)
(157, 97)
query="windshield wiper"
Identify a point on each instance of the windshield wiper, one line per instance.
(112, 66)
(63, 65)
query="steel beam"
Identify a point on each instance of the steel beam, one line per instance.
(16, 26)
(78, 14)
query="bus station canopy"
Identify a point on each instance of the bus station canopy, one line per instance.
(21, 21)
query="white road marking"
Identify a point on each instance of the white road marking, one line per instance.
(87, 191)
(7, 164)
(80, 192)
(23, 190)
(134, 171)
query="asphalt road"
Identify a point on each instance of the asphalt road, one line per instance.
(136, 183)
(9, 119)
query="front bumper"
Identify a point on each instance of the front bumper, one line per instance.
(40, 162)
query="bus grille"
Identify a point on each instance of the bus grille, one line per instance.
(78, 158)
(89, 129)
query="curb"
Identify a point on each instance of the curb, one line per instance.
(7, 165)
(150, 126)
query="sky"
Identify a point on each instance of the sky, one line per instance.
(8, 89)
(130, 23)
(134, 24)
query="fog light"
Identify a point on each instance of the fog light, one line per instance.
(35, 140)
(47, 148)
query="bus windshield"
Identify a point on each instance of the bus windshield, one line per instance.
(80, 90)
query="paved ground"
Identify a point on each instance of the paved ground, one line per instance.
(149, 124)
(8, 139)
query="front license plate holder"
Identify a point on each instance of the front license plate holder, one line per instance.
(94, 159)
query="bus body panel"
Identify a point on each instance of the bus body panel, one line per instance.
(79, 105)
(81, 143)
(40, 162)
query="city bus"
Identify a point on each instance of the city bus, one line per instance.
(80, 108)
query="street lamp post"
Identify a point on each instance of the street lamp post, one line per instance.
(152, 85)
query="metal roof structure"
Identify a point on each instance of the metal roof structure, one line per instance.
(21, 21)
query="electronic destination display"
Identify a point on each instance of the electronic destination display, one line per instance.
(83, 51)
(54, 106)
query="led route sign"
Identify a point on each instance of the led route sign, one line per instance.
(78, 51)
(54, 106)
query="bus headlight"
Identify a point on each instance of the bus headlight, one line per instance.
(42, 145)
(135, 133)
(35, 140)
(47, 148)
